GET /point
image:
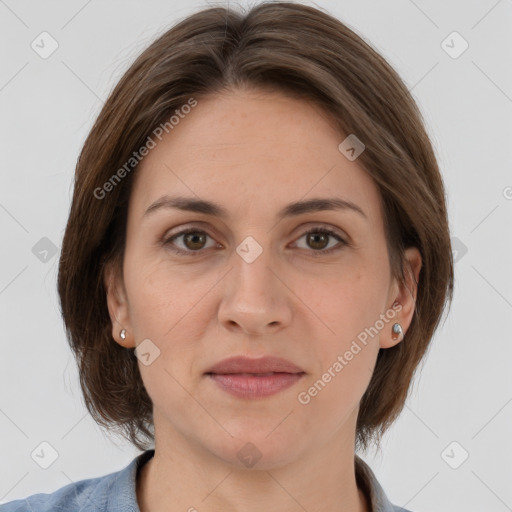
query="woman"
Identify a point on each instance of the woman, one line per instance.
(256, 259)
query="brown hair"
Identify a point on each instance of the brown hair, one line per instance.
(306, 53)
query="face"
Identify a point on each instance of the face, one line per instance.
(255, 283)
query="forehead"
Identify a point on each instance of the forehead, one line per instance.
(252, 151)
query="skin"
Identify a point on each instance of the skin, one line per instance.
(253, 152)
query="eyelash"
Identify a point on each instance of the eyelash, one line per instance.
(316, 253)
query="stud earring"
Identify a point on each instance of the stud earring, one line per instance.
(397, 332)
(122, 334)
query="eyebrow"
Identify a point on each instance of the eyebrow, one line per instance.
(191, 204)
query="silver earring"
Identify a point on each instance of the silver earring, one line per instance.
(122, 334)
(397, 332)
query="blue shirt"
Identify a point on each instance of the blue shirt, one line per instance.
(116, 492)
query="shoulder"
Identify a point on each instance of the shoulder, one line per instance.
(84, 495)
(112, 492)
(378, 501)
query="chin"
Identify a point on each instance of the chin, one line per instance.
(262, 448)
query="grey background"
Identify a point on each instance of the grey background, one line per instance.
(463, 392)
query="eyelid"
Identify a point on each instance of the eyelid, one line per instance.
(331, 231)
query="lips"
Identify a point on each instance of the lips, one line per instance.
(261, 366)
(248, 378)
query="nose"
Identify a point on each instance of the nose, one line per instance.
(255, 297)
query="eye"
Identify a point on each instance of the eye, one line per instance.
(194, 239)
(318, 236)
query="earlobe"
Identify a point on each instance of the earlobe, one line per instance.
(394, 332)
(404, 302)
(117, 307)
(397, 332)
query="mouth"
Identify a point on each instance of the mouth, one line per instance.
(259, 366)
(248, 378)
(244, 373)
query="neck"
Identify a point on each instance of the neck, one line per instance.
(182, 476)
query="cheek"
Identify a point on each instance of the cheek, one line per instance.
(346, 368)
(159, 294)
(171, 309)
(346, 301)
(347, 341)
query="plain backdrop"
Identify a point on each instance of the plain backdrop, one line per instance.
(450, 450)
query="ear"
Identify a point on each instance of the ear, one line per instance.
(403, 299)
(118, 307)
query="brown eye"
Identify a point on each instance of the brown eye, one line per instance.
(318, 239)
(193, 241)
